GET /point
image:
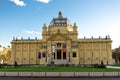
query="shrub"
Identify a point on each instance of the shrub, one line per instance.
(99, 65)
(96, 65)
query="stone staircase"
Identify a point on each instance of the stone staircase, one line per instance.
(61, 61)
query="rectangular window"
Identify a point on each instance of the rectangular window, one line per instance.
(74, 54)
(43, 55)
(58, 44)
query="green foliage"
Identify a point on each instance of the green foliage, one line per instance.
(100, 65)
(116, 54)
(57, 69)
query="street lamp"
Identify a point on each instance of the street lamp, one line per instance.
(69, 51)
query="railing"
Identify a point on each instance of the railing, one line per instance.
(61, 74)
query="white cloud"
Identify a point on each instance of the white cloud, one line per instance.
(18, 2)
(32, 32)
(44, 1)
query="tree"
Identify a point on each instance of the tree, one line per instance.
(116, 54)
(5, 54)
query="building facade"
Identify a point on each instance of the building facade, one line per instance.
(60, 43)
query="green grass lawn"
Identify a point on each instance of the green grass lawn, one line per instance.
(57, 69)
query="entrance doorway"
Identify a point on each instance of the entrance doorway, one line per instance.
(64, 55)
(58, 54)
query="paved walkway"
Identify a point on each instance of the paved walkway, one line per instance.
(60, 74)
(114, 67)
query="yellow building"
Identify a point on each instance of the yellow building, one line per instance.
(60, 43)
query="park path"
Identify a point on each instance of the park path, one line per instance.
(114, 67)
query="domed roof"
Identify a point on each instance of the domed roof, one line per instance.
(60, 21)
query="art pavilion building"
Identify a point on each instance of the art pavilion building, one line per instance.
(60, 43)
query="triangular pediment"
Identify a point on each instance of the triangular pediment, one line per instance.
(58, 37)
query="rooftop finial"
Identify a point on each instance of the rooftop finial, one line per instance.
(44, 25)
(60, 15)
(74, 23)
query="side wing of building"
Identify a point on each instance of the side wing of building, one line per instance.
(95, 50)
(25, 51)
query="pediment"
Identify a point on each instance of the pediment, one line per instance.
(57, 37)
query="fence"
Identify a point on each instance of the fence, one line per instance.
(61, 74)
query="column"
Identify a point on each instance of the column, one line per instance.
(61, 54)
(56, 54)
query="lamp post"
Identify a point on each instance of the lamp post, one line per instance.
(69, 51)
(52, 55)
(48, 57)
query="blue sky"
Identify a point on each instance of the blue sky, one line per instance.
(24, 18)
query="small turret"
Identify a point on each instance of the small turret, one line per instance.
(44, 33)
(75, 27)
(44, 28)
